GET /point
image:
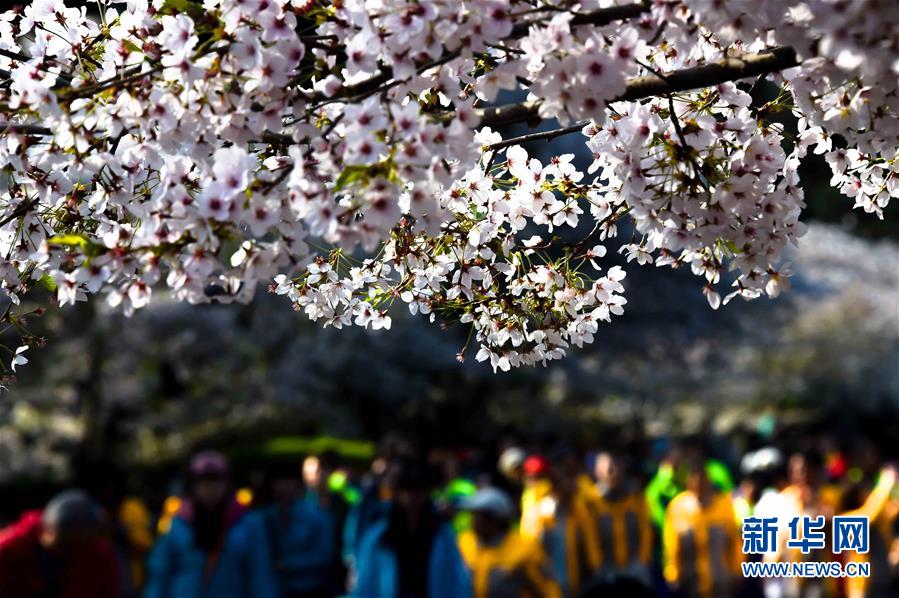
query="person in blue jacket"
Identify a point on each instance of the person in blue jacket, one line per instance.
(300, 537)
(411, 553)
(214, 548)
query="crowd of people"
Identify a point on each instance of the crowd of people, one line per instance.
(549, 523)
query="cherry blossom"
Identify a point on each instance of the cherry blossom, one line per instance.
(352, 155)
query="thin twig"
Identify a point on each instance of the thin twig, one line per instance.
(541, 136)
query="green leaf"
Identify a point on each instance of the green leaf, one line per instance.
(131, 46)
(351, 175)
(75, 241)
(79, 241)
(48, 283)
(191, 8)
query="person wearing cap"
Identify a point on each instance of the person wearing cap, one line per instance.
(622, 520)
(453, 489)
(537, 486)
(566, 528)
(58, 552)
(510, 466)
(301, 537)
(214, 546)
(411, 553)
(501, 561)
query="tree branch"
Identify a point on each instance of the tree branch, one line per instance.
(541, 136)
(599, 17)
(729, 69)
(23, 129)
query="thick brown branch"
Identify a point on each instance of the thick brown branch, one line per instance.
(729, 69)
(23, 129)
(598, 17)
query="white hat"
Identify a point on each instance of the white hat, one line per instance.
(764, 459)
(488, 500)
(510, 460)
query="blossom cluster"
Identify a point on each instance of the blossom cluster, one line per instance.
(345, 151)
(847, 86)
(707, 185)
(524, 306)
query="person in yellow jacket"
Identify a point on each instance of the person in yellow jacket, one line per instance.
(566, 528)
(622, 520)
(537, 486)
(881, 513)
(501, 561)
(136, 523)
(701, 542)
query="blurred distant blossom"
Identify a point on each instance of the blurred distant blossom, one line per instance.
(349, 153)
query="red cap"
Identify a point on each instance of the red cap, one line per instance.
(535, 465)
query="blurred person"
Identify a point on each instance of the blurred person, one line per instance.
(328, 477)
(136, 524)
(375, 493)
(330, 492)
(807, 493)
(300, 537)
(759, 495)
(875, 502)
(566, 528)
(411, 553)
(59, 552)
(701, 541)
(536, 487)
(501, 561)
(125, 521)
(761, 481)
(663, 487)
(510, 465)
(214, 546)
(669, 479)
(622, 518)
(454, 487)
(808, 487)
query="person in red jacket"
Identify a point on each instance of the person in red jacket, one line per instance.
(58, 553)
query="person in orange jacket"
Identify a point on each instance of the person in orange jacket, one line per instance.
(874, 503)
(566, 528)
(623, 526)
(501, 561)
(701, 541)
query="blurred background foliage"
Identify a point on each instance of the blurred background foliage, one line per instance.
(143, 392)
